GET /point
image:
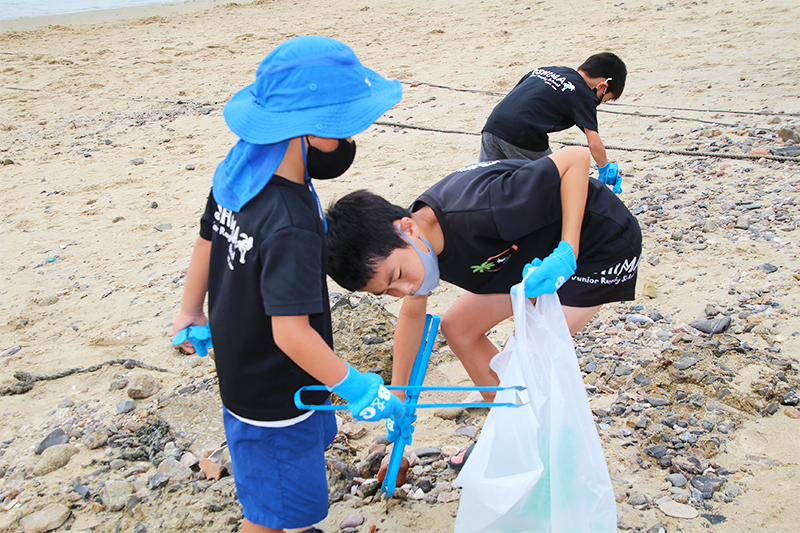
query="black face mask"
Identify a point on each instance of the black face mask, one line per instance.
(327, 165)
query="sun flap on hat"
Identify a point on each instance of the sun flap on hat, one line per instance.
(245, 171)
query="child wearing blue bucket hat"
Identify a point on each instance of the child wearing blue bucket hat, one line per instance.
(261, 258)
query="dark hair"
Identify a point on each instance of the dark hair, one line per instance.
(607, 65)
(361, 234)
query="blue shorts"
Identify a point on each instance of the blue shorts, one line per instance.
(280, 472)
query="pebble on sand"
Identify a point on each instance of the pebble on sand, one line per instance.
(677, 510)
(47, 519)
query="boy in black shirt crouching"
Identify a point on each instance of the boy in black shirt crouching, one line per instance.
(479, 228)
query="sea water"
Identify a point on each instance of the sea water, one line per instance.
(11, 9)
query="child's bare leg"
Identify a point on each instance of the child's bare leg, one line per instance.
(464, 326)
(577, 317)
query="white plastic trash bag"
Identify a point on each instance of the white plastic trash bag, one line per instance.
(539, 467)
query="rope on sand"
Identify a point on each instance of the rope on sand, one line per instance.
(728, 111)
(25, 380)
(722, 155)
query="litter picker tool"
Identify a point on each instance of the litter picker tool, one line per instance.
(411, 403)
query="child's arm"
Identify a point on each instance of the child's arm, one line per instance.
(573, 166)
(596, 147)
(549, 274)
(194, 291)
(366, 396)
(407, 338)
(301, 342)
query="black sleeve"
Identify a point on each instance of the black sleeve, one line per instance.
(584, 113)
(207, 220)
(290, 276)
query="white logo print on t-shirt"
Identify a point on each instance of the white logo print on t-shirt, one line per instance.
(238, 241)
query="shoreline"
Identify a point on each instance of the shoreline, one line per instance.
(100, 16)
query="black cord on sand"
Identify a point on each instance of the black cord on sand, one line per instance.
(723, 155)
(25, 380)
(728, 111)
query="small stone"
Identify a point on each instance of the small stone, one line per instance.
(687, 360)
(449, 413)
(789, 134)
(57, 436)
(714, 519)
(138, 161)
(650, 290)
(53, 458)
(710, 226)
(677, 235)
(772, 408)
(354, 430)
(768, 268)
(188, 459)
(425, 484)
(48, 519)
(174, 470)
(656, 402)
(637, 318)
(191, 166)
(677, 480)
(654, 260)
(66, 403)
(369, 467)
(163, 227)
(677, 510)
(157, 481)
(792, 412)
(719, 325)
(742, 222)
(117, 464)
(468, 431)
(637, 498)
(125, 406)
(115, 494)
(369, 487)
(142, 386)
(95, 439)
(447, 497)
(707, 484)
(154, 205)
(623, 370)
(354, 520)
(689, 464)
(656, 451)
(402, 472)
(211, 469)
(427, 452)
(118, 384)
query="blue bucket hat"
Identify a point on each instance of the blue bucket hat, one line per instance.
(310, 85)
(307, 85)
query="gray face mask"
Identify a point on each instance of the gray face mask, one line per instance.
(430, 263)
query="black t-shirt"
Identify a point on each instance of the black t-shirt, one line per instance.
(545, 100)
(266, 260)
(497, 216)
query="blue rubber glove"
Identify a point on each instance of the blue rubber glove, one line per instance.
(400, 428)
(551, 273)
(199, 336)
(367, 398)
(609, 175)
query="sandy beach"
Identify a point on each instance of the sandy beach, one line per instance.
(111, 127)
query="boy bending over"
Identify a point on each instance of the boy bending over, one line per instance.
(479, 228)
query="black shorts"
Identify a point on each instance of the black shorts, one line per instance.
(615, 283)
